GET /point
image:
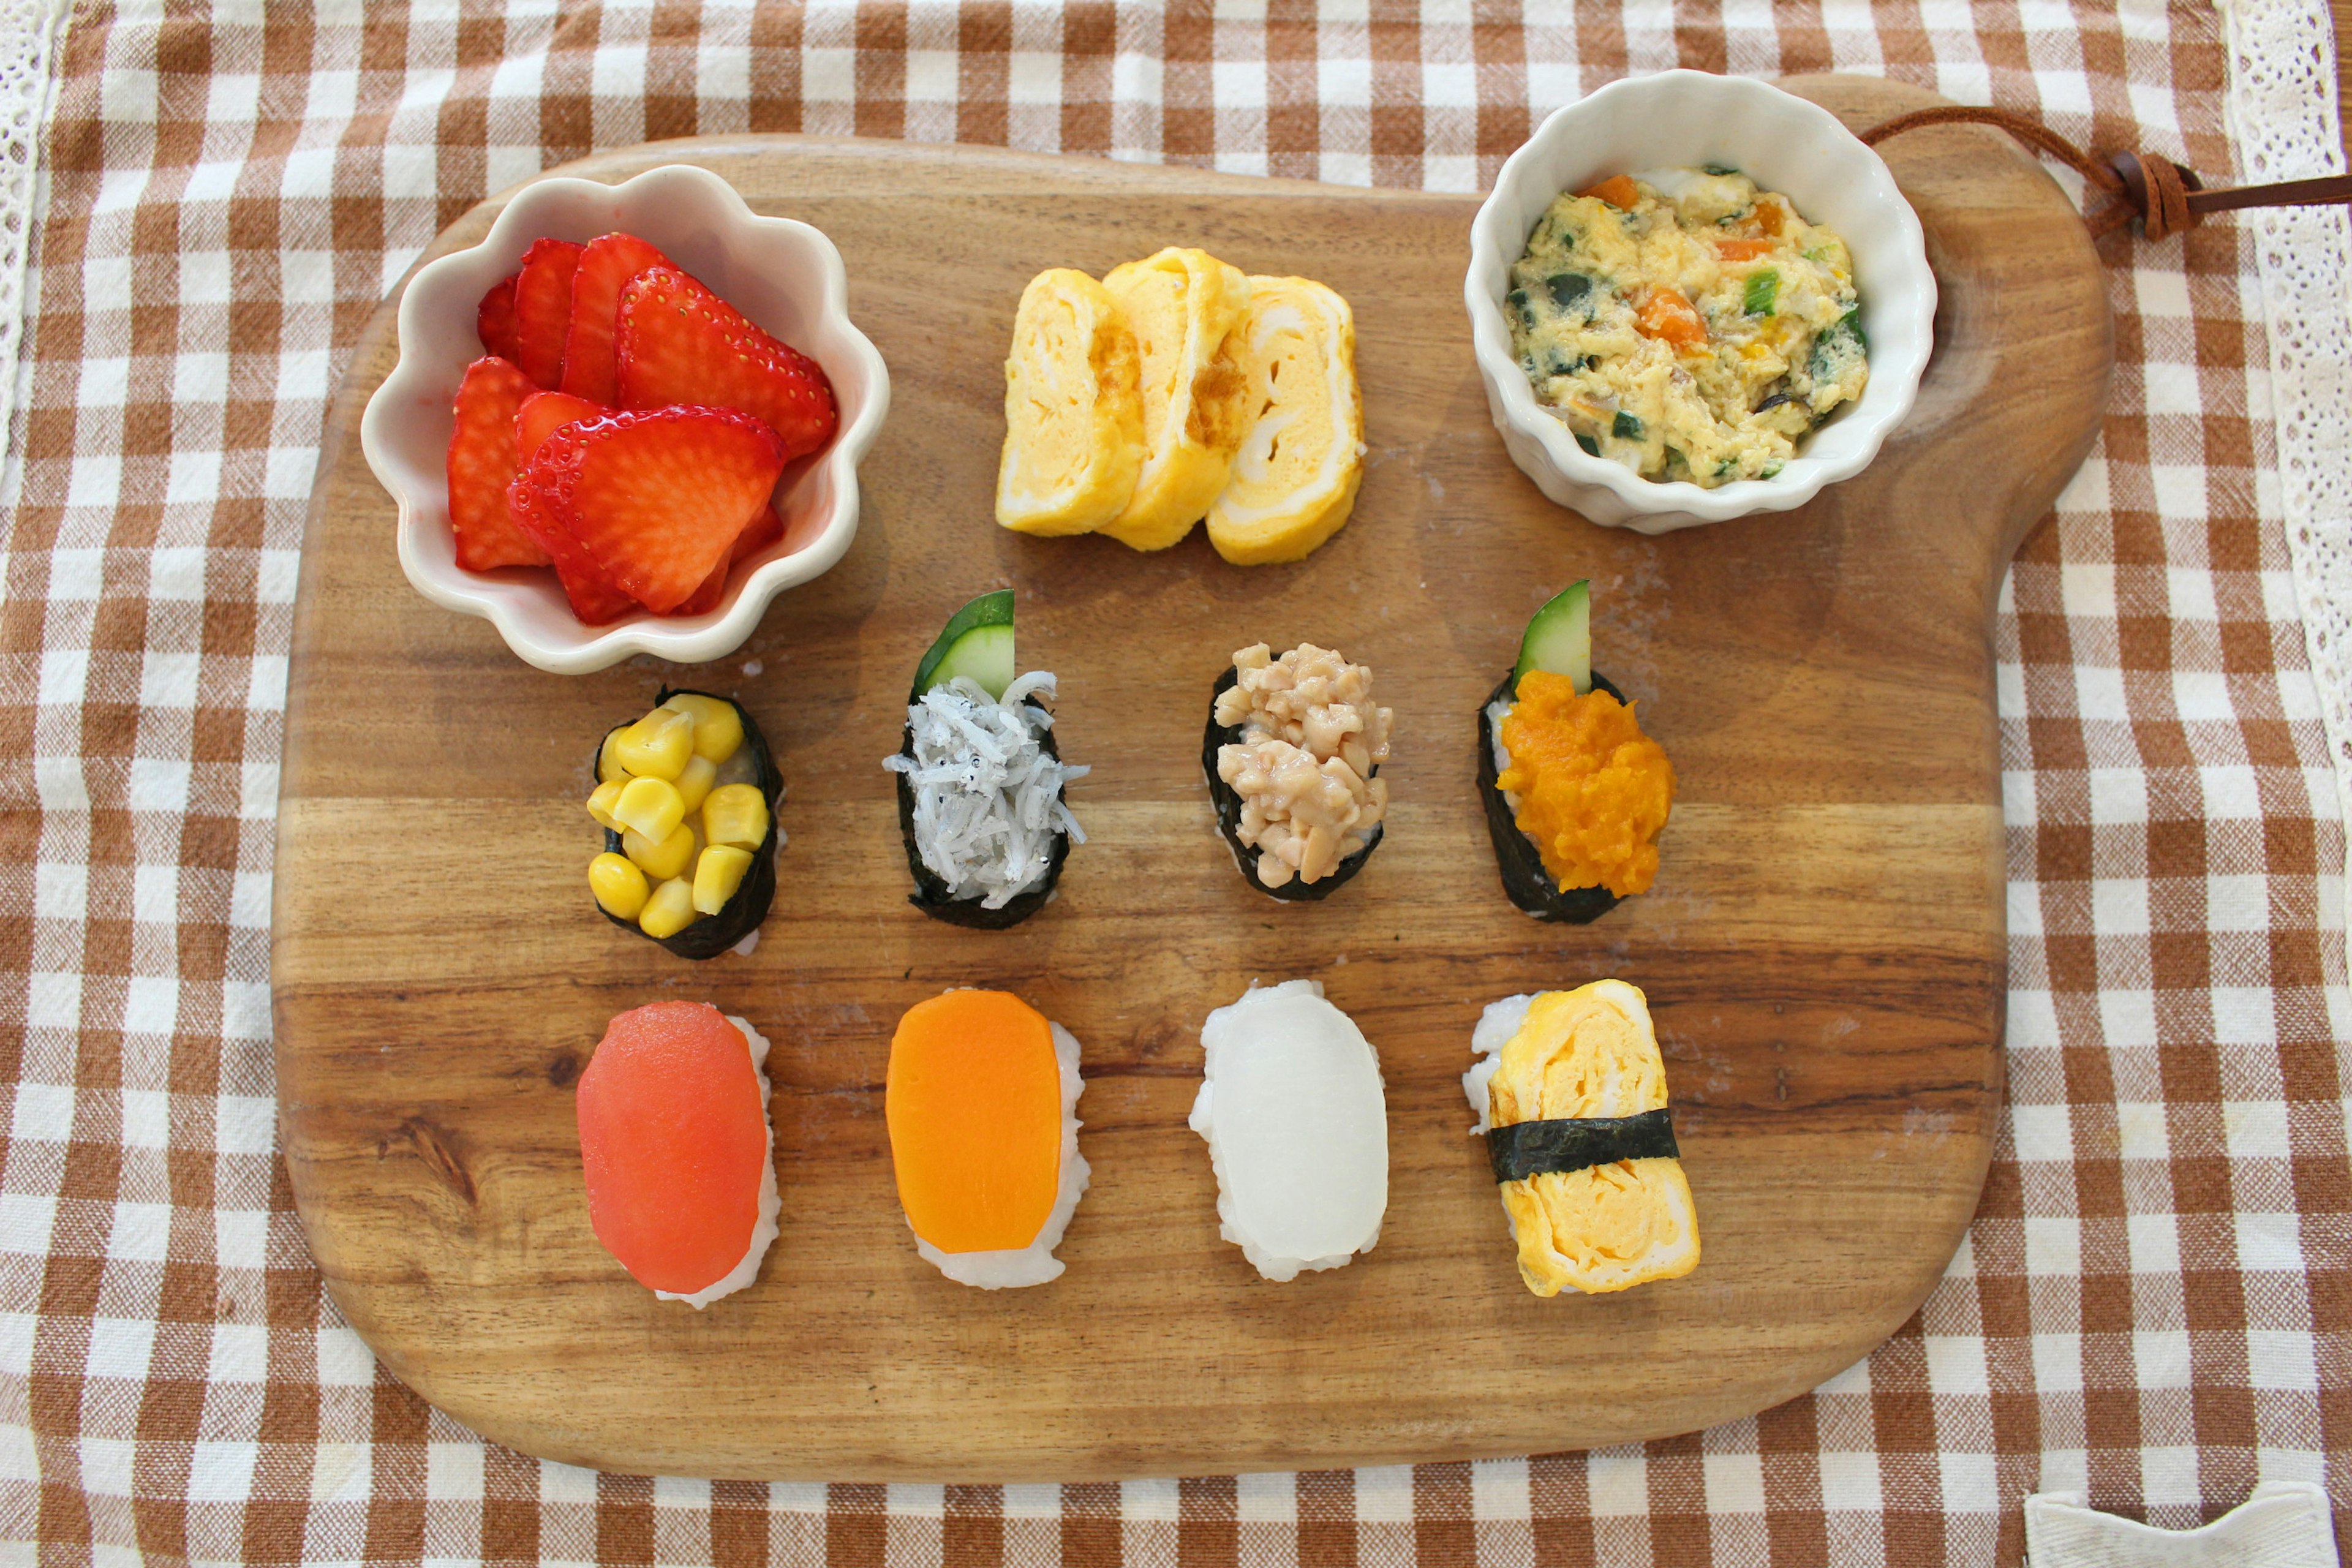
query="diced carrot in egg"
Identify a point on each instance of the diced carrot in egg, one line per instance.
(1618, 190)
(672, 1135)
(973, 1100)
(1664, 313)
(1769, 215)
(1742, 249)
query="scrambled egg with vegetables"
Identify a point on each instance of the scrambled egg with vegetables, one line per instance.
(1686, 324)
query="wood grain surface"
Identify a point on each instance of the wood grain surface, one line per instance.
(1824, 949)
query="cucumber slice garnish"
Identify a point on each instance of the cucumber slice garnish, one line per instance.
(1559, 638)
(976, 643)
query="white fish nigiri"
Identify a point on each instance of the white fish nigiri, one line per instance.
(1297, 1122)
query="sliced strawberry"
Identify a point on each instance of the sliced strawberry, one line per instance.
(658, 497)
(590, 368)
(593, 599)
(710, 595)
(757, 534)
(544, 308)
(482, 463)
(678, 342)
(494, 319)
(543, 414)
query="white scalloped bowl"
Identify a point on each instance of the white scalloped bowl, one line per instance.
(1681, 118)
(784, 275)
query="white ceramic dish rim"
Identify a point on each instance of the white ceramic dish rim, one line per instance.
(1862, 429)
(860, 378)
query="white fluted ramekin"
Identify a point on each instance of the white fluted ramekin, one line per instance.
(784, 275)
(1684, 119)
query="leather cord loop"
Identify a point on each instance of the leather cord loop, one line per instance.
(2162, 195)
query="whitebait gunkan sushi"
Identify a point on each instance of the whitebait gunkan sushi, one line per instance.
(980, 778)
(676, 1150)
(1571, 1093)
(983, 1105)
(1576, 796)
(1296, 1123)
(1292, 755)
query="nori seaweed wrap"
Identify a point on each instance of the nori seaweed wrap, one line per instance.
(931, 894)
(741, 916)
(1228, 803)
(1525, 880)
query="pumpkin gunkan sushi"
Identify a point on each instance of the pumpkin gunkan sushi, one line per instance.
(981, 1101)
(1576, 796)
(1571, 1093)
(676, 1150)
(981, 779)
(1293, 1111)
(1293, 755)
(687, 796)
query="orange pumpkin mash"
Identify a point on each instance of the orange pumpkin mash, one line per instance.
(974, 1103)
(1593, 791)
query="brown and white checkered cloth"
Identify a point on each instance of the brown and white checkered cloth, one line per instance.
(2154, 1304)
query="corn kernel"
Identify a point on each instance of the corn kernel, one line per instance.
(662, 860)
(718, 727)
(669, 910)
(695, 780)
(657, 746)
(600, 803)
(619, 888)
(717, 875)
(652, 806)
(608, 759)
(737, 815)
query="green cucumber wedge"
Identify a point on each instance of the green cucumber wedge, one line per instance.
(976, 643)
(1559, 638)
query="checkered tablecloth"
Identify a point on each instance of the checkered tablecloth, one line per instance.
(2153, 1305)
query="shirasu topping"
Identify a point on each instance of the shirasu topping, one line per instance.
(988, 796)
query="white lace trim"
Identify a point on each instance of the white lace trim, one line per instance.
(28, 31)
(2284, 121)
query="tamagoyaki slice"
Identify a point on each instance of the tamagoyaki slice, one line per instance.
(1073, 409)
(1295, 475)
(1182, 305)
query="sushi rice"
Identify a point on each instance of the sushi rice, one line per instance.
(764, 1231)
(1034, 1264)
(988, 796)
(1293, 1113)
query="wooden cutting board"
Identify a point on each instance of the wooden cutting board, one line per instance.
(1824, 949)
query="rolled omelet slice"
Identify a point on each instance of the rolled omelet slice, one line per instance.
(1296, 473)
(1073, 409)
(1181, 306)
(1571, 1095)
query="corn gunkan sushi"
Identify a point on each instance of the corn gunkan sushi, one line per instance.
(981, 779)
(1293, 1111)
(1571, 1092)
(687, 796)
(678, 1151)
(981, 1101)
(1575, 793)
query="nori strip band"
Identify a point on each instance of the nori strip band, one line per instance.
(1229, 813)
(931, 894)
(1527, 1149)
(1525, 880)
(711, 935)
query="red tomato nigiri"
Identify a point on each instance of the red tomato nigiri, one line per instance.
(674, 1143)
